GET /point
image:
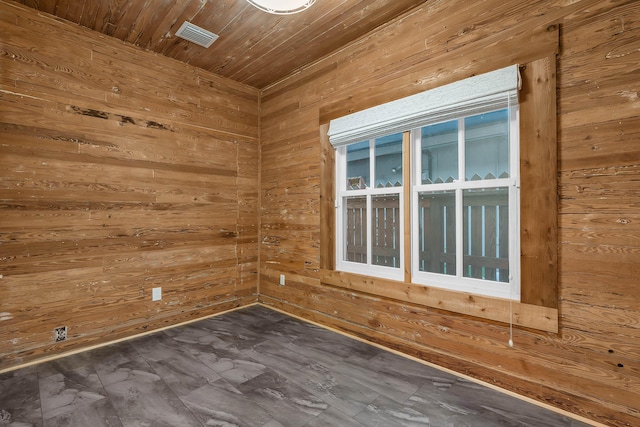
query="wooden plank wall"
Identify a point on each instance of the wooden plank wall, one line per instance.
(591, 367)
(120, 171)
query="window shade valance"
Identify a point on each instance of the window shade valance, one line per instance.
(474, 95)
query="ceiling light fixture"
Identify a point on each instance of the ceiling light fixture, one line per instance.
(282, 7)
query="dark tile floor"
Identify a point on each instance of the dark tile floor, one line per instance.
(253, 367)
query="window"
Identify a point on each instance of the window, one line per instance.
(465, 202)
(464, 189)
(537, 307)
(370, 203)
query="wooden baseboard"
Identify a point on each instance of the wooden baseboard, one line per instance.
(96, 346)
(441, 368)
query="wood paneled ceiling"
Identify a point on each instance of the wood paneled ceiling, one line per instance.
(254, 47)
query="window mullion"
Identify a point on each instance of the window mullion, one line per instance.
(372, 186)
(405, 206)
(514, 203)
(459, 234)
(459, 201)
(461, 150)
(369, 229)
(339, 202)
(416, 164)
(372, 163)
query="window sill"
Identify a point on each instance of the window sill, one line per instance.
(496, 309)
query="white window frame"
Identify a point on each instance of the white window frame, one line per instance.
(475, 95)
(508, 290)
(368, 268)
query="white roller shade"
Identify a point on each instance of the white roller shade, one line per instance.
(474, 95)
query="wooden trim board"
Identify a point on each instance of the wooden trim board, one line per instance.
(443, 369)
(96, 346)
(501, 310)
(391, 350)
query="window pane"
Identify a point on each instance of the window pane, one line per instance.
(388, 166)
(486, 234)
(385, 230)
(437, 240)
(355, 233)
(358, 166)
(439, 160)
(487, 146)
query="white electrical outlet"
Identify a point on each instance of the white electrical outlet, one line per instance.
(156, 294)
(282, 280)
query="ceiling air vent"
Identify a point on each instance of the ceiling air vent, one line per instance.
(195, 34)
